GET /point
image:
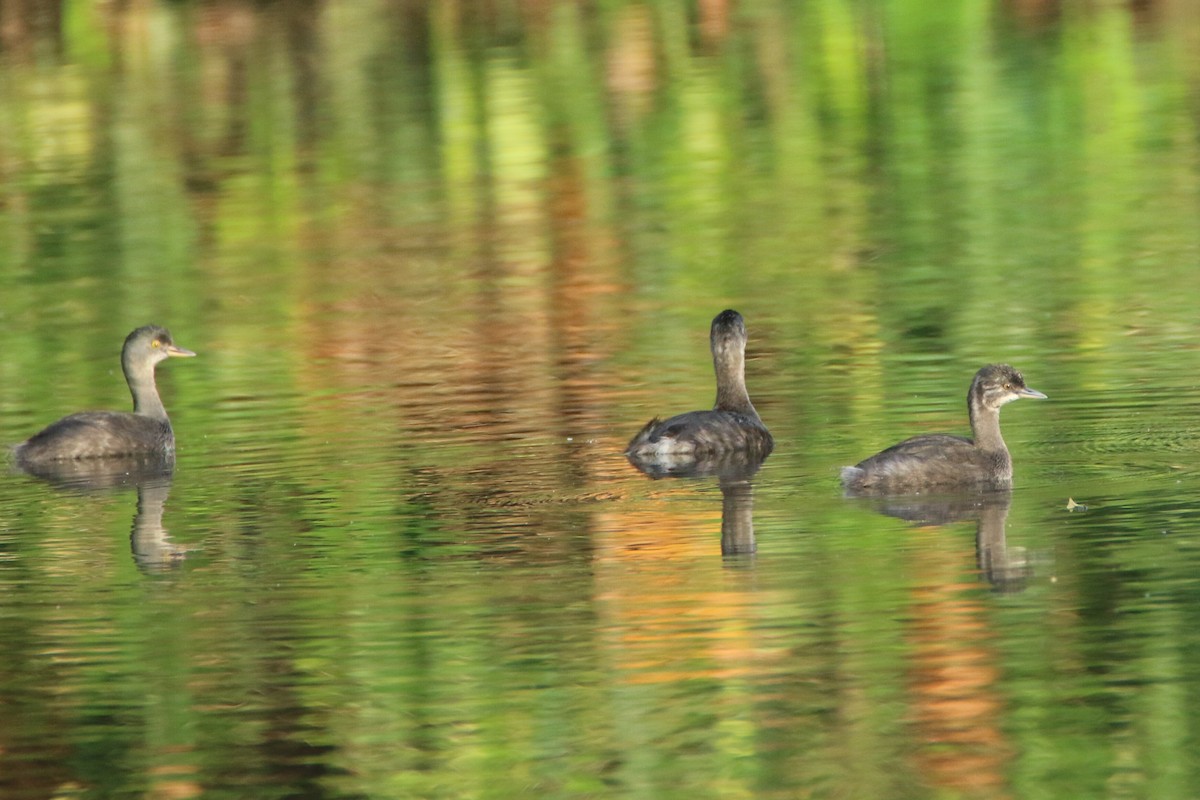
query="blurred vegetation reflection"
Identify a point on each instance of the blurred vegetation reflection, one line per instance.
(443, 258)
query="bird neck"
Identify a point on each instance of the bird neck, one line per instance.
(985, 428)
(146, 402)
(731, 385)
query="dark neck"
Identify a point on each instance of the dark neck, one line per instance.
(985, 428)
(731, 386)
(146, 402)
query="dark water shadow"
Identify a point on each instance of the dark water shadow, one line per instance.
(1007, 569)
(151, 546)
(734, 474)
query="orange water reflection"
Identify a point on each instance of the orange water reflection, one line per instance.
(672, 609)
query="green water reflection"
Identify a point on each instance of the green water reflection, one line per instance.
(440, 261)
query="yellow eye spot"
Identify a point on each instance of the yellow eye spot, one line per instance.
(156, 343)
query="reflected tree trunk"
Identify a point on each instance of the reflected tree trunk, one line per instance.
(29, 28)
(957, 708)
(301, 21)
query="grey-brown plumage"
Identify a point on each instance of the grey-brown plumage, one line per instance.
(106, 434)
(731, 426)
(943, 462)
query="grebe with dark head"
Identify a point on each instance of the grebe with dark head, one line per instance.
(108, 434)
(943, 462)
(732, 426)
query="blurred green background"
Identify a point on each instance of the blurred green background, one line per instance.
(440, 261)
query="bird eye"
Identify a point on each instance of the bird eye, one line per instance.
(1008, 387)
(156, 343)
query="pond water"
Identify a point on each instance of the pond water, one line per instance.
(441, 261)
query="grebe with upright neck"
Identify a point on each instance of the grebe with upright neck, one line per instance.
(942, 462)
(108, 434)
(732, 426)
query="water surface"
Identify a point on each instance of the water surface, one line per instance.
(441, 261)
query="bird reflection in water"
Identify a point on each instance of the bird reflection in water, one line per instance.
(734, 473)
(956, 699)
(152, 549)
(1006, 568)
